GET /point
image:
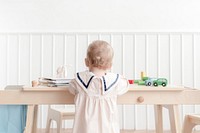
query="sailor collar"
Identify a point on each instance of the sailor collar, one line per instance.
(108, 81)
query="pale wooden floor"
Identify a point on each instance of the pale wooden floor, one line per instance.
(123, 131)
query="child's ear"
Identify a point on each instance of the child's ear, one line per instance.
(86, 62)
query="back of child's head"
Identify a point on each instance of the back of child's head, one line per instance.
(100, 54)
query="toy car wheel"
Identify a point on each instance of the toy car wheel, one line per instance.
(163, 84)
(155, 84)
(149, 84)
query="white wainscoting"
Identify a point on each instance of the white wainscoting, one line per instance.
(174, 55)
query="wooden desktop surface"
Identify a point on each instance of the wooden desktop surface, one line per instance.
(60, 95)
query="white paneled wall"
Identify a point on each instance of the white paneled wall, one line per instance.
(27, 56)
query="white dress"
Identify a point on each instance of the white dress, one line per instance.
(96, 102)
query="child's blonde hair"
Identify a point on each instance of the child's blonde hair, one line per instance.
(100, 54)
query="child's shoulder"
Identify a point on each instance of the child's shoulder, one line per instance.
(84, 74)
(118, 78)
(112, 75)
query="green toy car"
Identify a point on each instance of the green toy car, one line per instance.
(156, 82)
(150, 81)
(160, 81)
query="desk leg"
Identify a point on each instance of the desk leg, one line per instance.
(31, 119)
(158, 118)
(174, 118)
(35, 119)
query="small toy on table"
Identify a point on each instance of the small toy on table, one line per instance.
(34, 83)
(151, 81)
(131, 81)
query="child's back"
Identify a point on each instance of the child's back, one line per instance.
(96, 100)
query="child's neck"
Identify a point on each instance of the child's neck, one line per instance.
(98, 72)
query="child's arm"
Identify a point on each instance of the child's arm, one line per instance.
(122, 86)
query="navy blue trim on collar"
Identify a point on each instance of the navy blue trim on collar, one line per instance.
(104, 81)
(86, 86)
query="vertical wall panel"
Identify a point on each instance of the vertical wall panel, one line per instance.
(36, 42)
(117, 46)
(82, 47)
(59, 49)
(152, 55)
(105, 37)
(70, 55)
(187, 44)
(47, 54)
(175, 59)
(129, 58)
(13, 59)
(92, 37)
(163, 53)
(3, 59)
(140, 54)
(24, 49)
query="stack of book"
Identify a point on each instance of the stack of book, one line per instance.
(53, 82)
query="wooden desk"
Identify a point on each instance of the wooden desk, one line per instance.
(169, 97)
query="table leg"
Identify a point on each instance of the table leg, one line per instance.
(174, 118)
(35, 119)
(31, 119)
(158, 118)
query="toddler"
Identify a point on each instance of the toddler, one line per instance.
(96, 92)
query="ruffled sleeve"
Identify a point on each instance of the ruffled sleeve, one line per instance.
(122, 86)
(72, 87)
